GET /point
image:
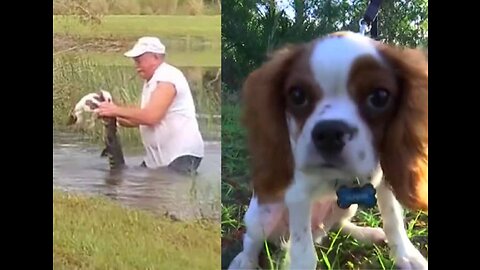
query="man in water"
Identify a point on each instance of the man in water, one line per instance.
(167, 116)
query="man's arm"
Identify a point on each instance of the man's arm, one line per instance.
(125, 122)
(161, 98)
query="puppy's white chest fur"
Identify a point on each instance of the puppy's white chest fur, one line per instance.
(274, 218)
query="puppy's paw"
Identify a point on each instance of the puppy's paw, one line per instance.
(410, 258)
(242, 261)
(303, 265)
(368, 235)
(297, 262)
(374, 235)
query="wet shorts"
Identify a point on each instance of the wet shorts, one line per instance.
(183, 164)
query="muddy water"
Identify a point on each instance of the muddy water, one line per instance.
(78, 167)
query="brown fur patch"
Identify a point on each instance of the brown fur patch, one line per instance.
(404, 149)
(99, 98)
(301, 77)
(400, 132)
(366, 75)
(91, 104)
(264, 118)
(338, 34)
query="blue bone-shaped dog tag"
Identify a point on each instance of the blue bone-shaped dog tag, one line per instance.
(357, 195)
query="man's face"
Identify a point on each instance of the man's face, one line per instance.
(145, 65)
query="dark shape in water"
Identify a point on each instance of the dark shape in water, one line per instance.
(113, 148)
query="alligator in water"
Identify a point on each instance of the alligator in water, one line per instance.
(113, 148)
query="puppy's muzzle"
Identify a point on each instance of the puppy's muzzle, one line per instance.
(330, 137)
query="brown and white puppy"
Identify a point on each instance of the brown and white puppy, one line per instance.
(88, 104)
(323, 113)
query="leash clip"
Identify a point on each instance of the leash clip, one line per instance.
(364, 27)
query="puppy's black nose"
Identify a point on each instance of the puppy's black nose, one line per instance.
(329, 136)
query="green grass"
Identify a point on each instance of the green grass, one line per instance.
(96, 233)
(338, 251)
(140, 7)
(133, 26)
(206, 58)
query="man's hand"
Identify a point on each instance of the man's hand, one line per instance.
(107, 109)
(161, 99)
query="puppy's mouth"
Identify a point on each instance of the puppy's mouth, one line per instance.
(332, 163)
(328, 165)
(348, 182)
(337, 165)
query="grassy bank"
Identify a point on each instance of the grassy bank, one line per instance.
(190, 40)
(95, 233)
(133, 7)
(339, 251)
(89, 57)
(202, 59)
(130, 27)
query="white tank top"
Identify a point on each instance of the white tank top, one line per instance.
(177, 134)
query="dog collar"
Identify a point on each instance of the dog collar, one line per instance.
(361, 195)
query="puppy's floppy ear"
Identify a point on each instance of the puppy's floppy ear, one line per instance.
(404, 153)
(92, 105)
(264, 118)
(99, 96)
(71, 119)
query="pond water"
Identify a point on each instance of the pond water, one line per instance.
(78, 167)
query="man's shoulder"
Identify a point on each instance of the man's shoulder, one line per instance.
(166, 67)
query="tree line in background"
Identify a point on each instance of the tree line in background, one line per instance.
(253, 28)
(136, 7)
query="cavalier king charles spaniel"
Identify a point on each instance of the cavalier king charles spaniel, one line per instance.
(88, 104)
(342, 112)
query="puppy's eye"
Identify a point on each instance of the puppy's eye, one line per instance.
(379, 99)
(298, 97)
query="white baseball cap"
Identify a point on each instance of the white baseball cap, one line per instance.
(146, 44)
